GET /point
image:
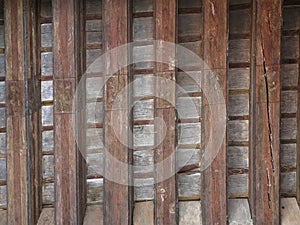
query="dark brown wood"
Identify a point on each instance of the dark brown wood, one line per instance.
(23, 123)
(213, 196)
(118, 197)
(265, 119)
(165, 205)
(69, 165)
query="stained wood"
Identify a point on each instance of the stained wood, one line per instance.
(213, 195)
(264, 176)
(118, 197)
(69, 166)
(22, 90)
(290, 212)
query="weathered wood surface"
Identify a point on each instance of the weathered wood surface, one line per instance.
(118, 197)
(47, 217)
(290, 211)
(265, 168)
(3, 217)
(165, 178)
(94, 215)
(190, 213)
(22, 90)
(213, 196)
(70, 192)
(239, 212)
(143, 213)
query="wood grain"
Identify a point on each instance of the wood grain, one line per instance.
(213, 195)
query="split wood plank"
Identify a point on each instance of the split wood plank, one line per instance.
(23, 116)
(265, 117)
(118, 196)
(213, 196)
(165, 205)
(70, 186)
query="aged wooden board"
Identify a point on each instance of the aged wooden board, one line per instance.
(190, 213)
(47, 217)
(290, 212)
(239, 212)
(213, 196)
(93, 215)
(265, 168)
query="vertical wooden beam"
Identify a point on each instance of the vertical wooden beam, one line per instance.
(215, 29)
(265, 167)
(23, 112)
(165, 187)
(67, 69)
(298, 134)
(118, 198)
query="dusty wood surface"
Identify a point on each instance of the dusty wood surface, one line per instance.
(22, 89)
(118, 197)
(70, 204)
(165, 187)
(93, 215)
(266, 116)
(213, 196)
(290, 211)
(47, 217)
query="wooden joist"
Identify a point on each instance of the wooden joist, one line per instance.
(213, 196)
(265, 111)
(165, 178)
(23, 112)
(118, 198)
(69, 165)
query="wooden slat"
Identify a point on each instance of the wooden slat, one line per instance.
(265, 112)
(118, 198)
(213, 196)
(23, 124)
(69, 190)
(165, 185)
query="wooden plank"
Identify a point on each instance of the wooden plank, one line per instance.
(94, 215)
(213, 195)
(190, 213)
(298, 129)
(69, 168)
(23, 123)
(290, 212)
(143, 213)
(47, 217)
(118, 197)
(265, 112)
(239, 212)
(165, 209)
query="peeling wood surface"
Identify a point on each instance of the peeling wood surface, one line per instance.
(213, 196)
(265, 168)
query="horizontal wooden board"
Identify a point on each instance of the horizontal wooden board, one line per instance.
(143, 55)
(2, 92)
(47, 141)
(238, 130)
(46, 35)
(2, 65)
(2, 143)
(143, 135)
(48, 166)
(290, 47)
(237, 157)
(93, 6)
(238, 105)
(143, 110)
(291, 16)
(93, 215)
(189, 24)
(288, 102)
(94, 87)
(48, 193)
(94, 190)
(189, 133)
(1, 36)
(237, 185)
(239, 51)
(143, 213)
(92, 55)
(144, 189)
(94, 112)
(290, 211)
(288, 183)
(3, 217)
(188, 107)
(143, 160)
(185, 4)
(187, 157)
(189, 186)
(190, 213)
(240, 21)
(143, 29)
(93, 26)
(239, 212)
(238, 78)
(47, 63)
(288, 155)
(143, 85)
(47, 91)
(142, 6)
(2, 117)
(95, 164)
(289, 75)
(288, 128)
(188, 82)
(94, 139)
(46, 8)
(2, 169)
(3, 196)
(47, 115)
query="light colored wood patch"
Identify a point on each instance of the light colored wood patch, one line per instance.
(290, 212)
(239, 212)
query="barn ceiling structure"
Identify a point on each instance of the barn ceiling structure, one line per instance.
(149, 112)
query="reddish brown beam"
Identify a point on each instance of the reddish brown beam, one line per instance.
(165, 175)
(118, 197)
(69, 165)
(23, 123)
(265, 117)
(213, 195)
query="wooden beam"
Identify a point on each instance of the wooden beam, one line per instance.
(69, 205)
(213, 195)
(118, 197)
(298, 132)
(165, 204)
(265, 65)
(23, 115)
